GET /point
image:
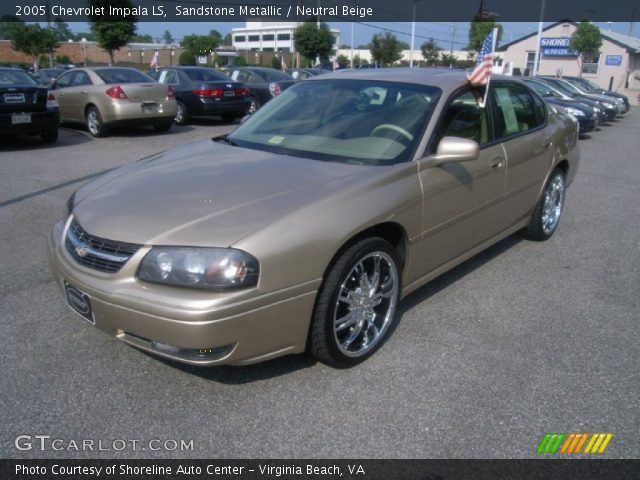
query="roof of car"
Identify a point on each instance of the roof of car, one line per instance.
(445, 78)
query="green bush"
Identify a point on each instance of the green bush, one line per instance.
(187, 58)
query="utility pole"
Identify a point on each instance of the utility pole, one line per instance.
(453, 37)
(536, 62)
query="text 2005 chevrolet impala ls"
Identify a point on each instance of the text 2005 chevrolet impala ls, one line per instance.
(304, 228)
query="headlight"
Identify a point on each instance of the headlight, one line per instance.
(204, 268)
(608, 105)
(575, 112)
(596, 109)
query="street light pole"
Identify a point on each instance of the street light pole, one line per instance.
(413, 33)
(536, 62)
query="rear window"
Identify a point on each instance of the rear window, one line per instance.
(205, 75)
(122, 75)
(274, 76)
(15, 77)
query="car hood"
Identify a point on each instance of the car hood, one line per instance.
(205, 194)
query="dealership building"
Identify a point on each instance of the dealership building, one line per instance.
(269, 36)
(616, 65)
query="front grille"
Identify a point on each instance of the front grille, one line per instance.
(95, 252)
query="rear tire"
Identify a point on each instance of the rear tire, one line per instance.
(356, 306)
(182, 115)
(254, 105)
(95, 125)
(50, 135)
(546, 216)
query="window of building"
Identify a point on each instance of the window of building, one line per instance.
(268, 49)
(268, 38)
(254, 38)
(531, 60)
(239, 38)
(590, 64)
(284, 49)
(284, 36)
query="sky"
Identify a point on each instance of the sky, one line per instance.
(442, 32)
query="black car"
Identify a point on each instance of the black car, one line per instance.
(304, 73)
(591, 87)
(204, 92)
(586, 115)
(45, 76)
(264, 83)
(26, 107)
(565, 87)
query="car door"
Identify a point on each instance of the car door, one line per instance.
(61, 87)
(75, 95)
(521, 125)
(459, 199)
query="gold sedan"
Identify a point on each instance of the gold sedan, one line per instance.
(305, 227)
(102, 97)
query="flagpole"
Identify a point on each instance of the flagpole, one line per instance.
(493, 49)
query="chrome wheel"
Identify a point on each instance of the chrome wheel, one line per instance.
(366, 304)
(93, 122)
(253, 107)
(180, 115)
(553, 202)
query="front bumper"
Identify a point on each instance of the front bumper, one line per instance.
(197, 328)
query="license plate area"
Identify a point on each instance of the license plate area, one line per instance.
(18, 118)
(13, 98)
(79, 302)
(149, 108)
(229, 93)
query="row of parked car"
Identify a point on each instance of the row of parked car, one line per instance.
(103, 97)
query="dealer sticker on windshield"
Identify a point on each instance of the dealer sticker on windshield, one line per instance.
(276, 139)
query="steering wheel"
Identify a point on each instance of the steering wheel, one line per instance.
(393, 128)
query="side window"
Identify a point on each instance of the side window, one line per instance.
(464, 118)
(541, 110)
(517, 111)
(168, 77)
(79, 79)
(64, 80)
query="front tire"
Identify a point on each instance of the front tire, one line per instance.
(356, 306)
(95, 125)
(546, 215)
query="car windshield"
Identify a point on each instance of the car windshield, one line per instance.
(569, 86)
(122, 75)
(15, 77)
(355, 121)
(205, 75)
(541, 89)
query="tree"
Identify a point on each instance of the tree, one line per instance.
(385, 49)
(481, 26)
(217, 35)
(199, 44)
(343, 61)
(32, 40)
(358, 61)
(187, 58)
(167, 37)
(430, 51)
(404, 45)
(227, 40)
(587, 40)
(448, 60)
(62, 30)
(313, 42)
(276, 63)
(6, 22)
(112, 32)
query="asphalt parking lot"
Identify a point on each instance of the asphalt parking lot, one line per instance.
(524, 339)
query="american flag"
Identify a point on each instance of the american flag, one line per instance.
(482, 72)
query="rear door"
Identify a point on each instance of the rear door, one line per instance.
(76, 94)
(521, 125)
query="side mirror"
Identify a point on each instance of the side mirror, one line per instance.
(454, 149)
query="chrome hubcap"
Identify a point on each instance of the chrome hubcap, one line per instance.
(553, 201)
(366, 304)
(253, 107)
(179, 114)
(92, 122)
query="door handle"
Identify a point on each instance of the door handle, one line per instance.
(547, 143)
(496, 162)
